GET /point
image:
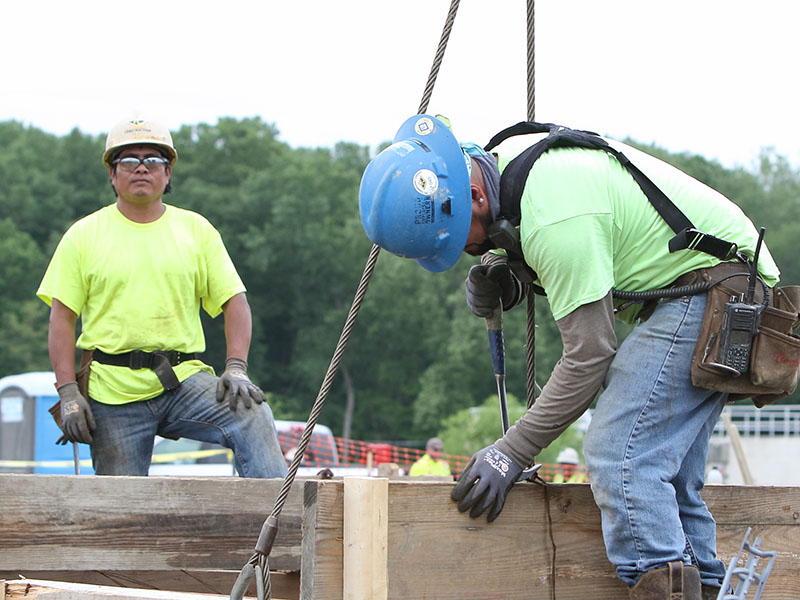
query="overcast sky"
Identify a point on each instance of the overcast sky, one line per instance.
(711, 77)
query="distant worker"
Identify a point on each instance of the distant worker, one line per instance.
(568, 471)
(575, 219)
(431, 463)
(137, 273)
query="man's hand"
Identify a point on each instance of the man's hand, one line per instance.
(489, 287)
(485, 482)
(234, 384)
(77, 420)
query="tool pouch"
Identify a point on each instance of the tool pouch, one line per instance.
(82, 377)
(775, 354)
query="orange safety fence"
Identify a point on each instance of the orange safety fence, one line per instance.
(327, 451)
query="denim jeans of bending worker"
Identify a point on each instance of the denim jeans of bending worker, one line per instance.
(647, 445)
(122, 443)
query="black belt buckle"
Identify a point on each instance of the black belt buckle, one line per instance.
(137, 359)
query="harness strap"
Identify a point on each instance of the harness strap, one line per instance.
(515, 175)
(161, 362)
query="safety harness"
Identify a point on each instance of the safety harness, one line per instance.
(504, 233)
(161, 362)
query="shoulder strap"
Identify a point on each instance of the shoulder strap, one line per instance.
(515, 175)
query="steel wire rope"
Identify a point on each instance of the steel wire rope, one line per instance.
(530, 331)
(259, 562)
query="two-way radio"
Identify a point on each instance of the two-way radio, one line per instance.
(740, 323)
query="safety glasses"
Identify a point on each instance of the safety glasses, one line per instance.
(131, 163)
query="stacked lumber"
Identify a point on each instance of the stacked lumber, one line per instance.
(136, 537)
(545, 544)
(154, 533)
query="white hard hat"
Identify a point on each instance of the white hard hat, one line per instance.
(135, 131)
(568, 456)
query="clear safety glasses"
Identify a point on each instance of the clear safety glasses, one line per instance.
(131, 163)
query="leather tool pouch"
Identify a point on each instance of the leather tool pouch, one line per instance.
(82, 377)
(775, 353)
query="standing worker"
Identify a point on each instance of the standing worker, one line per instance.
(137, 272)
(431, 463)
(568, 471)
(585, 227)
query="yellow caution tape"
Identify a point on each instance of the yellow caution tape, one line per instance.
(157, 458)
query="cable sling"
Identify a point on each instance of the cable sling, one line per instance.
(258, 565)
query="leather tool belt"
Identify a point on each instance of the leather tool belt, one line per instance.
(160, 361)
(774, 364)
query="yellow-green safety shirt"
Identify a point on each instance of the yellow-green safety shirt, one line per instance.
(140, 286)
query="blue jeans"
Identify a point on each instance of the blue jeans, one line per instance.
(647, 445)
(122, 443)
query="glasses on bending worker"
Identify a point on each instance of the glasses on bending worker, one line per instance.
(131, 163)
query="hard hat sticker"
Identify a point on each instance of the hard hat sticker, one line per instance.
(423, 211)
(423, 126)
(426, 182)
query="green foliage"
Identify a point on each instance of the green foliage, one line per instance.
(417, 358)
(470, 429)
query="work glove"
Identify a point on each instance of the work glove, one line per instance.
(235, 384)
(485, 482)
(489, 287)
(77, 420)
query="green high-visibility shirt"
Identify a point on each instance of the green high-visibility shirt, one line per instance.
(140, 286)
(576, 477)
(428, 466)
(587, 227)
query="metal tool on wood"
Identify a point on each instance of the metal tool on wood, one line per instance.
(494, 326)
(75, 458)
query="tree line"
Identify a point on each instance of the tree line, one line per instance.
(289, 218)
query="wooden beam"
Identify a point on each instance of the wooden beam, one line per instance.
(365, 505)
(194, 535)
(58, 590)
(436, 552)
(155, 528)
(285, 584)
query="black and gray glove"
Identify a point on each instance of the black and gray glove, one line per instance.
(235, 384)
(489, 287)
(485, 482)
(77, 420)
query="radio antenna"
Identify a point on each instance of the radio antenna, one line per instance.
(751, 284)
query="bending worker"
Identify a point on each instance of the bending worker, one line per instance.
(585, 227)
(137, 272)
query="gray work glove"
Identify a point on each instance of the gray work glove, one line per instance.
(77, 420)
(489, 287)
(234, 384)
(485, 483)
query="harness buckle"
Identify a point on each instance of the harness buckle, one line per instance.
(137, 359)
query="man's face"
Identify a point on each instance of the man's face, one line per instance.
(435, 451)
(478, 242)
(144, 184)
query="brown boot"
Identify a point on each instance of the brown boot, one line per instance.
(676, 581)
(709, 592)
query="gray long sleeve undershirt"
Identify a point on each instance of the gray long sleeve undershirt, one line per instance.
(589, 345)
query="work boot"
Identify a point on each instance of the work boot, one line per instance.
(676, 581)
(709, 592)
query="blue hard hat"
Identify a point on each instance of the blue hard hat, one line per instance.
(415, 198)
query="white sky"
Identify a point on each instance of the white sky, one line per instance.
(712, 77)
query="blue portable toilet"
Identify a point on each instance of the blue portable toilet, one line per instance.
(27, 430)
